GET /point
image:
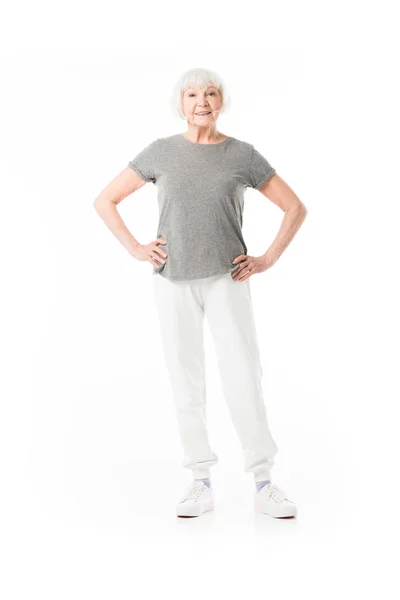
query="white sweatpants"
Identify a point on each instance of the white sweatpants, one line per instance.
(227, 305)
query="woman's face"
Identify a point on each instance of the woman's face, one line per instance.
(196, 100)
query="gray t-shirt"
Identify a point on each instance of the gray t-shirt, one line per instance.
(201, 200)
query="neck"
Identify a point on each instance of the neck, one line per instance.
(204, 135)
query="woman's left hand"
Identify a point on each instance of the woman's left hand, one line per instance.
(249, 265)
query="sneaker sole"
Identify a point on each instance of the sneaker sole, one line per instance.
(291, 512)
(190, 512)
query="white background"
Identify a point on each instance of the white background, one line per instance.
(90, 452)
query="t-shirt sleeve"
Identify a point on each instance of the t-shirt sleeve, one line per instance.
(259, 170)
(145, 163)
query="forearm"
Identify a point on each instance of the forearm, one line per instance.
(291, 222)
(108, 211)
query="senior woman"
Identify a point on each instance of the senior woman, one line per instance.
(201, 269)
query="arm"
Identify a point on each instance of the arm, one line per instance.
(279, 192)
(124, 184)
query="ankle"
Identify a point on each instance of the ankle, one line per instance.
(206, 480)
(261, 484)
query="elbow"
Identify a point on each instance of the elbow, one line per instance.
(303, 210)
(99, 203)
(103, 202)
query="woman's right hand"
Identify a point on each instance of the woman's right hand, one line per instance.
(152, 252)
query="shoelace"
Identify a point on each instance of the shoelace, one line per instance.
(194, 491)
(274, 492)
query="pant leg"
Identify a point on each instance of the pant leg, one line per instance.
(181, 320)
(229, 313)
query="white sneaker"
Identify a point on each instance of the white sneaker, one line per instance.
(272, 501)
(197, 499)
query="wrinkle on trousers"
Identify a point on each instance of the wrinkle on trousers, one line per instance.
(227, 306)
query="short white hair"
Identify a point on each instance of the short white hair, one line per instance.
(197, 78)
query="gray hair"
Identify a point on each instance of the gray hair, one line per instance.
(197, 78)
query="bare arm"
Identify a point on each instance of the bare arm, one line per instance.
(281, 194)
(124, 184)
(278, 191)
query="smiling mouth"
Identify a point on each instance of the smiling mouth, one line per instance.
(204, 114)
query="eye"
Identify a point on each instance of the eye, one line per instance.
(192, 94)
